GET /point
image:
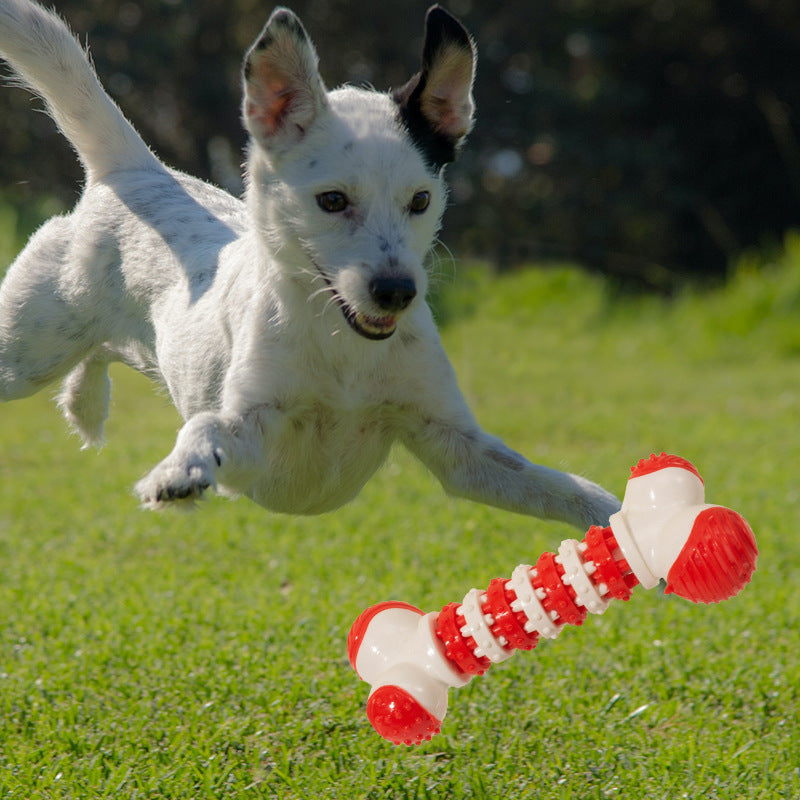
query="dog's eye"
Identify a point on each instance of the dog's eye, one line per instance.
(419, 202)
(332, 202)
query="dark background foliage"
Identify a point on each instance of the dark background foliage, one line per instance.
(650, 139)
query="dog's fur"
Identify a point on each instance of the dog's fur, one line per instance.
(290, 328)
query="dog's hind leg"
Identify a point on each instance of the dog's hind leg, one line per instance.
(85, 397)
(46, 323)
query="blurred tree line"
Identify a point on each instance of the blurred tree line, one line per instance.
(652, 140)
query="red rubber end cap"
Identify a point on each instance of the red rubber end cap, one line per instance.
(717, 560)
(657, 462)
(399, 718)
(359, 628)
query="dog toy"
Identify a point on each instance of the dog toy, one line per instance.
(664, 530)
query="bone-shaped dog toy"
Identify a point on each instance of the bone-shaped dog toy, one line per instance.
(664, 530)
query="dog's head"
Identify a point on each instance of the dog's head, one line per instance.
(347, 185)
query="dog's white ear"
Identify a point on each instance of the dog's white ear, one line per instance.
(436, 104)
(283, 91)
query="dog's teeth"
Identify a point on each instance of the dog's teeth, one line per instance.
(376, 326)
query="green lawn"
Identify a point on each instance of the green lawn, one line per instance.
(203, 655)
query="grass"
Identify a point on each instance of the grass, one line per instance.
(203, 655)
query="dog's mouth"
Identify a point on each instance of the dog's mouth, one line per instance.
(369, 327)
(366, 325)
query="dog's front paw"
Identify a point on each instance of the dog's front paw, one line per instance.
(175, 481)
(597, 506)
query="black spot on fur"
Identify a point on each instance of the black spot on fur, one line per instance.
(441, 30)
(437, 148)
(265, 41)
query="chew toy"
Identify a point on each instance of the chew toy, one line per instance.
(664, 530)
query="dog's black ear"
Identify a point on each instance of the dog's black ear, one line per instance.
(283, 91)
(436, 105)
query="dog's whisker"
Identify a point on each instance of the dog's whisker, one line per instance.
(329, 303)
(312, 275)
(436, 253)
(321, 291)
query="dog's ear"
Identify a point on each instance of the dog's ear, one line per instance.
(283, 91)
(436, 105)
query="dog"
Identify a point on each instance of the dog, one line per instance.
(290, 327)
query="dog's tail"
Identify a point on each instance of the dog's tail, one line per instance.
(49, 62)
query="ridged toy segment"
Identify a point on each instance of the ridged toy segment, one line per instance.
(458, 649)
(663, 531)
(538, 600)
(508, 628)
(611, 570)
(559, 599)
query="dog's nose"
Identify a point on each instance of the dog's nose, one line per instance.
(392, 294)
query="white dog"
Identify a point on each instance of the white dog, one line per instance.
(290, 328)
